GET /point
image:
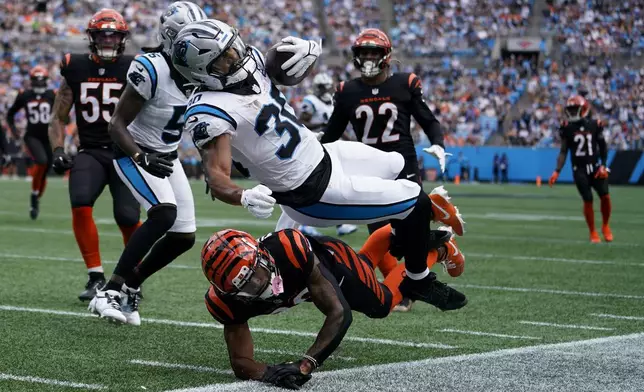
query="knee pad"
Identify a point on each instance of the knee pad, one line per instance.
(163, 216)
(182, 241)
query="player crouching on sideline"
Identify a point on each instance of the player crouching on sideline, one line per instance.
(584, 137)
(252, 277)
(146, 128)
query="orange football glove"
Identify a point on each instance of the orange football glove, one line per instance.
(602, 173)
(553, 178)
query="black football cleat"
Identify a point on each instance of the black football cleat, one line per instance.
(433, 292)
(33, 211)
(92, 285)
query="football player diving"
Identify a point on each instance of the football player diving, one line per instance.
(584, 138)
(238, 113)
(250, 278)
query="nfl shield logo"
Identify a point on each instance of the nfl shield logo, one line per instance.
(101, 71)
(374, 91)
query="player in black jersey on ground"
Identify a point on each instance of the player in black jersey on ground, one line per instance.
(584, 138)
(93, 83)
(379, 105)
(37, 102)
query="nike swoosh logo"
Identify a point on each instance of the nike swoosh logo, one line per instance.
(139, 69)
(455, 251)
(341, 280)
(410, 175)
(446, 215)
(193, 119)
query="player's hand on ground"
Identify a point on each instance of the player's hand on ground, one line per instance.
(304, 54)
(439, 153)
(155, 164)
(62, 162)
(553, 178)
(258, 201)
(286, 375)
(602, 173)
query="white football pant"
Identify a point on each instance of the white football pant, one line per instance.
(362, 189)
(150, 191)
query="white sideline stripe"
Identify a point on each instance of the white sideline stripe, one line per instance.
(218, 326)
(559, 259)
(393, 367)
(548, 291)
(294, 353)
(496, 335)
(54, 258)
(617, 317)
(571, 326)
(49, 381)
(167, 365)
(271, 224)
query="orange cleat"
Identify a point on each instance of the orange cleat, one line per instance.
(446, 212)
(454, 260)
(594, 237)
(608, 235)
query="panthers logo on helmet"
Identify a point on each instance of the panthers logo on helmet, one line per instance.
(171, 11)
(180, 53)
(136, 78)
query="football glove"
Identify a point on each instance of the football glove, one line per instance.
(62, 162)
(439, 153)
(553, 178)
(258, 201)
(602, 172)
(304, 55)
(5, 160)
(286, 375)
(154, 163)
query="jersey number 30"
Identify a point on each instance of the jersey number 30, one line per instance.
(282, 121)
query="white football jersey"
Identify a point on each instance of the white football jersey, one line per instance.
(320, 111)
(267, 137)
(159, 124)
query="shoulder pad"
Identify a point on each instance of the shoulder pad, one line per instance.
(143, 75)
(413, 81)
(218, 309)
(205, 122)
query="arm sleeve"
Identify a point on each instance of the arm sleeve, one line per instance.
(221, 311)
(206, 122)
(339, 119)
(601, 143)
(423, 114)
(17, 105)
(64, 65)
(142, 76)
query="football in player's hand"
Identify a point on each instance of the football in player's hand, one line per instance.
(274, 61)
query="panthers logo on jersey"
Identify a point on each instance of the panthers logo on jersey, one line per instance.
(200, 132)
(136, 78)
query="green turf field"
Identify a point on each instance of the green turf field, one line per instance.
(531, 277)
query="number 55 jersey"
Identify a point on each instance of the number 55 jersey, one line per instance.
(96, 88)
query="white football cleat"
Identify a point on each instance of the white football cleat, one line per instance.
(107, 304)
(346, 229)
(309, 230)
(130, 305)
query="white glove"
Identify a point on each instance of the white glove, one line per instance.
(439, 153)
(258, 201)
(304, 55)
(319, 135)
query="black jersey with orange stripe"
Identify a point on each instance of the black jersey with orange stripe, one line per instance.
(294, 260)
(381, 114)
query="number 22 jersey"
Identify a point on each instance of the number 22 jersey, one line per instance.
(96, 87)
(266, 136)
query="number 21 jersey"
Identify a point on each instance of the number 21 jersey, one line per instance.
(582, 138)
(96, 88)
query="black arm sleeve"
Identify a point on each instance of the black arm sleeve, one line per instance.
(423, 114)
(601, 143)
(337, 123)
(17, 105)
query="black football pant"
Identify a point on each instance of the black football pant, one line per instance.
(586, 182)
(92, 171)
